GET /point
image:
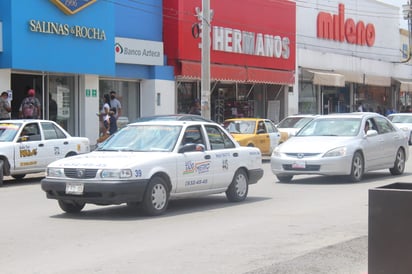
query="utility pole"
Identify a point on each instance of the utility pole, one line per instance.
(407, 15)
(205, 71)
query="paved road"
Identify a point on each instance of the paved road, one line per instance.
(313, 225)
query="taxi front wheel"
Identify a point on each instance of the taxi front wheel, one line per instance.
(239, 187)
(156, 198)
(71, 206)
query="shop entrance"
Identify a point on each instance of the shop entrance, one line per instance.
(56, 94)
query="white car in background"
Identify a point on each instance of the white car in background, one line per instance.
(290, 125)
(404, 122)
(28, 146)
(148, 163)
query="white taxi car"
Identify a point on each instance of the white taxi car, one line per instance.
(148, 163)
(28, 146)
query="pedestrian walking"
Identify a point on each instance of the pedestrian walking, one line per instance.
(115, 103)
(30, 107)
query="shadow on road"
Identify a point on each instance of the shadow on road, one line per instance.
(322, 180)
(30, 179)
(175, 208)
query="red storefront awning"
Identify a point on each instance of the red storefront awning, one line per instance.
(192, 70)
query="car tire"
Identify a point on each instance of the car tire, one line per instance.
(284, 178)
(239, 187)
(1, 172)
(399, 165)
(71, 206)
(18, 176)
(357, 167)
(156, 198)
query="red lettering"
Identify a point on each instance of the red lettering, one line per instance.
(336, 27)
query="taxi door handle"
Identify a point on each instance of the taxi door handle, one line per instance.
(65, 143)
(41, 145)
(207, 156)
(235, 154)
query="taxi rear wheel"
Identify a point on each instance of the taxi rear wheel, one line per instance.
(156, 198)
(71, 206)
(239, 187)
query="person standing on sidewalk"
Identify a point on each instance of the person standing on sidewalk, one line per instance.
(115, 103)
(5, 108)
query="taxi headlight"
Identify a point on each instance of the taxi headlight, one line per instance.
(336, 152)
(55, 172)
(116, 173)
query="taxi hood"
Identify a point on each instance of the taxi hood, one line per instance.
(109, 159)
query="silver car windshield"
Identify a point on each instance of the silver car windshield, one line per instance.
(143, 138)
(294, 122)
(8, 131)
(332, 127)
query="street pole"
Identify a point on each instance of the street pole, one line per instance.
(205, 71)
(407, 15)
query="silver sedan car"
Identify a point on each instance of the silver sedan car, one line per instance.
(342, 144)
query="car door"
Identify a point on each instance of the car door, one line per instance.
(390, 140)
(195, 167)
(274, 135)
(56, 142)
(224, 161)
(372, 146)
(30, 152)
(262, 138)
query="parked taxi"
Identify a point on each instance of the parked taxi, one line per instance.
(28, 146)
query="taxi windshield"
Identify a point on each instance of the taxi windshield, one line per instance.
(8, 131)
(240, 127)
(144, 138)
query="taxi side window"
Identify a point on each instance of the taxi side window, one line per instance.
(31, 132)
(218, 139)
(51, 132)
(193, 135)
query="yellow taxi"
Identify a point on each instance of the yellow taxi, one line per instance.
(254, 132)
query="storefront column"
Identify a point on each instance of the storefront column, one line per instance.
(88, 98)
(157, 97)
(5, 79)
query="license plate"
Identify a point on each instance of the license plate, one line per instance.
(299, 164)
(74, 188)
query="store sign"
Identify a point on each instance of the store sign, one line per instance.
(245, 42)
(71, 7)
(77, 31)
(336, 27)
(138, 52)
(258, 35)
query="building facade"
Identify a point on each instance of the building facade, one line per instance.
(74, 52)
(349, 53)
(252, 55)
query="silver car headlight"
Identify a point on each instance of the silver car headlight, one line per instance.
(276, 152)
(56, 172)
(116, 173)
(336, 152)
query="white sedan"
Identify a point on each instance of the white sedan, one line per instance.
(342, 144)
(148, 163)
(28, 146)
(404, 122)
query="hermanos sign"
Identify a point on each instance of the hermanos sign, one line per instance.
(336, 27)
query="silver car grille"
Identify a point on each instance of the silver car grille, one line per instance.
(302, 155)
